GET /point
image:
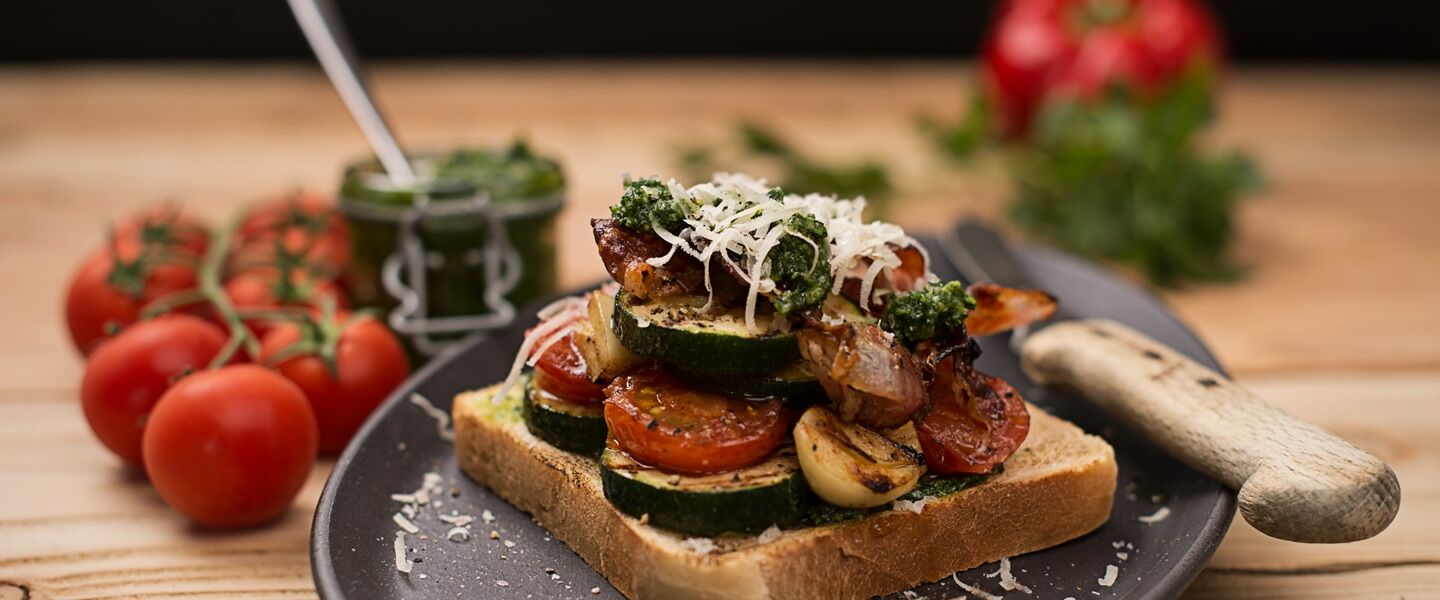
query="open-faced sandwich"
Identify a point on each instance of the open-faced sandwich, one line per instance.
(776, 399)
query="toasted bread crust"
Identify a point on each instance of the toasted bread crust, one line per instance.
(1059, 486)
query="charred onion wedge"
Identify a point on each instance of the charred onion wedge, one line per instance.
(605, 357)
(870, 378)
(851, 466)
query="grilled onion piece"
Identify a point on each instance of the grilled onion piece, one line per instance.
(851, 466)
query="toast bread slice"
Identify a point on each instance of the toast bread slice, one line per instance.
(1057, 487)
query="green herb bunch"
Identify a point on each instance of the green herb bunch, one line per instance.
(1122, 179)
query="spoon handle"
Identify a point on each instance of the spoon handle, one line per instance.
(327, 37)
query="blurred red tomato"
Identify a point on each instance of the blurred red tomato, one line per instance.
(304, 225)
(261, 289)
(113, 285)
(127, 375)
(369, 363)
(1037, 49)
(168, 226)
(230, 447)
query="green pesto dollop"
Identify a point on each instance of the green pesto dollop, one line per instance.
(801, 268)
(647, 203)
(928, 313)
(515, 173)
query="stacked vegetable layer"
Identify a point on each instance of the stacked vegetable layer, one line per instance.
(769, 360)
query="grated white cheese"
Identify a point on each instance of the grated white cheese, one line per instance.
(1007, 579)
(769, 535)
(734, 218)
(442, 418)
(405, 498)
(699, 545)
(502, 583)
(487, 516)
(402, 563)
(979, 593)
(1157, 517)
(915, 506)
(460, 520)
(1123, 556)
(1111, 572)
(457, 532)
(556, 319)
(405, 523)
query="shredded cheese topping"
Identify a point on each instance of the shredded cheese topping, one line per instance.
(1156, 517)
(557, 319)
(402, 562)
(1111, 573)
(737, 221)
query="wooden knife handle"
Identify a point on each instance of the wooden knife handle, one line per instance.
(1296, 481)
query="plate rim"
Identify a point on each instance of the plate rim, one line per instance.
(1187, 568)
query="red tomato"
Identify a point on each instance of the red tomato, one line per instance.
(369, 364)
(166, 225)
(261, 290)
(976, 421)
(126, 376)
(562, 372)
(664, 423)
(107, 294)
(301, 223)
(1036, 48)
(231, 447)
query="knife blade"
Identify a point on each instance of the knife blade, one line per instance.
(1295, 481)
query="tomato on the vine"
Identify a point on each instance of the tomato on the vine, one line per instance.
(231, 447)
(114, 284)
(262, 289)
(665, 423)
(368, 364)
(166, 226)
(126, 376)
(1039, 49)
(303, 226)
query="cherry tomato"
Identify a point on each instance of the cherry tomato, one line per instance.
(976, 421)
(166, 225)
(1036, 49)
(562, 372)
(666, 424)
(261, 290)
(111, 288)
(231, 447)
(301, 223)
(126, 376)
(369, 364)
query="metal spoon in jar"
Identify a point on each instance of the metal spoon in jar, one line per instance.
(404, 272)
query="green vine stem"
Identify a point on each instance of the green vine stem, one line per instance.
(211, 287)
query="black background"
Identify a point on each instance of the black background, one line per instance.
(1258, 30)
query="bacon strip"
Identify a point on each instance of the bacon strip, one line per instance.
(624, 252)
(999, 308)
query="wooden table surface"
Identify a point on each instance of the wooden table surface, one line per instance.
(1339, 321)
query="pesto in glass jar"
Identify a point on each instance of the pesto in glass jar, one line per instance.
(525, 192)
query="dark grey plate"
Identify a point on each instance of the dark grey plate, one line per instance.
(351, 546)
